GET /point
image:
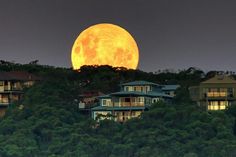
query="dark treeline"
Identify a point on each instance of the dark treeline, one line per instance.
(49, 123)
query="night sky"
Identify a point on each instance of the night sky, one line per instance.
(173, 34)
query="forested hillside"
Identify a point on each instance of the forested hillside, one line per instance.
(47, 122)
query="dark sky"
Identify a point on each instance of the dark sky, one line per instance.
(171, 34)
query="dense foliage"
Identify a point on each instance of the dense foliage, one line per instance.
(48, 123)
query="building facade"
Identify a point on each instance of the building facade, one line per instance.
(216, 93)
(134, 98)
(11, 87)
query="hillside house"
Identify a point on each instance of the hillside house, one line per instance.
(134, 98)
(215, 93)
(11, 87)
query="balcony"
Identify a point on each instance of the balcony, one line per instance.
(218, 95)
(7, 88)
(128, 104)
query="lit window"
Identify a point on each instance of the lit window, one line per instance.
(217, 105)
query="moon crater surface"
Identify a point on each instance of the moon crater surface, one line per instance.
(105, 44)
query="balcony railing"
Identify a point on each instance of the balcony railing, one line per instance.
(128, 104)
(218, 94)
(6, 88)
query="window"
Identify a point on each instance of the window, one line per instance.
(223, 105)
(223, 92)
(141, 89)
(104, 102)
(217, 105)
(140, 99)
(217, 92)
(127, 99)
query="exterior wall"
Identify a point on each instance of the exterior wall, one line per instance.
(194, 93)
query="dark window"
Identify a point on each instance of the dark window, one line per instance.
(127, 99)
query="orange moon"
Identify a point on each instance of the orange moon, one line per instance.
(105, 44)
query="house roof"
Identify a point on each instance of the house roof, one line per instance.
(18, 75)
(134, 83)
(158, 94)
(170, 87)
(91, 94)
(220, 79)
(104, 96)
(106, 108)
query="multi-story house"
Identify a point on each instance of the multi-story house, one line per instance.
(134, 98)
(11, 87)
(216, 93)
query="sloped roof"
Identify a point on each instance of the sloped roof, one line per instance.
(91, 94)
(170, 87)
(158, 94)
(107, 108)
(134, 83)
(104, 96)
(220, 79)
(18, 75)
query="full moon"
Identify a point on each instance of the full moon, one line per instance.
(105, 44)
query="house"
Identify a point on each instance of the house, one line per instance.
(89, 99)
(134, 98)
(215, 93)
(11, 87)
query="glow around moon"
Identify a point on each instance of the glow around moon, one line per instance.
(105, 44)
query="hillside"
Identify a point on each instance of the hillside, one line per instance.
(50, 124)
